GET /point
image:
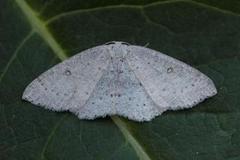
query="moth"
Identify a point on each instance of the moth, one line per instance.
(117, 78)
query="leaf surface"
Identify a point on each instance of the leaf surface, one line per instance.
(35, 35)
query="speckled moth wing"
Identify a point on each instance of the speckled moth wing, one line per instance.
(69, 84)
(171, 83)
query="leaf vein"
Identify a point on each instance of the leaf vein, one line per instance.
(130, 138)
(40, 28)
(141, 7)
(51, 135)
(15, 54)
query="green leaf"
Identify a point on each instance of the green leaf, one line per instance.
(35, 35)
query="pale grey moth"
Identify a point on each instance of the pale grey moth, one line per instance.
(119, 79)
